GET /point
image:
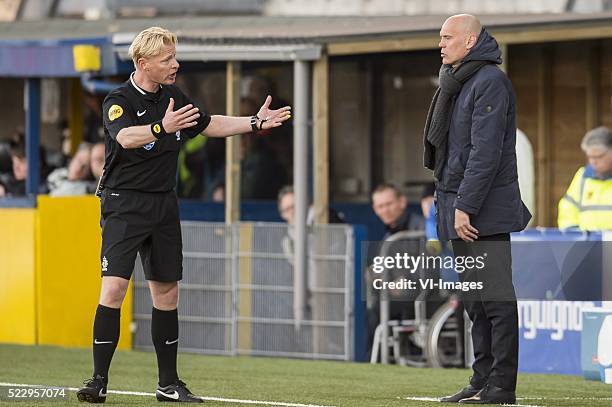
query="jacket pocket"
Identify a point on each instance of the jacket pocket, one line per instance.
(457, 160)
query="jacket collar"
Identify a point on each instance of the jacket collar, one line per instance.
(589, 172)
(402, 223)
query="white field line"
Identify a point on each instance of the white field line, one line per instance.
(433, 399)
(537, 398)
(566, 398)
(139, 393)
(437, 400)
(282, 404)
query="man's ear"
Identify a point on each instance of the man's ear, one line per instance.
(142, 63)
(471, 41)
(403, 201)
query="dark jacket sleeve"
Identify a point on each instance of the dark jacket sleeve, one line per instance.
(488, 129)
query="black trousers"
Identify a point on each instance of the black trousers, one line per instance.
(492, 310)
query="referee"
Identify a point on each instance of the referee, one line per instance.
(145, 121)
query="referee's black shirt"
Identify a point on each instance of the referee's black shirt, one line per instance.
(151, 168)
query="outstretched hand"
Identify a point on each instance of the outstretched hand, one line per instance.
(175, 120)
(272, 118)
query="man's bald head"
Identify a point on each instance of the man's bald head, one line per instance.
(467, 23)
(458, 35)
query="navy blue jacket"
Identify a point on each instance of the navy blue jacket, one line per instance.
(480, 175)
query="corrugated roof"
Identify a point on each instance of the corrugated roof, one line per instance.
(283, 30)
(333, 29)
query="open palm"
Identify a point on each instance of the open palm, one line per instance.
(273, 118)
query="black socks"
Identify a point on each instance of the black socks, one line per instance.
(106, 336)
(164, 331)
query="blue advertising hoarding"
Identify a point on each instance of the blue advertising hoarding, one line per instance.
(557, 275)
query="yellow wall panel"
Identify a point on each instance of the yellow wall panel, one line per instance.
(68, 272)
(17, 299)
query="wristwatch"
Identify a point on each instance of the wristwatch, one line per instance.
(254, 123)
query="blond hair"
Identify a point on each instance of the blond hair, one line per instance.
(149, 42)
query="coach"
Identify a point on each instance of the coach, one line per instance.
(145, 121)
(469, 142)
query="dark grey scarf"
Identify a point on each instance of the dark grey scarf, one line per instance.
(440, 111)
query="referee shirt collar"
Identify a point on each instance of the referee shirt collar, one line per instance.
(148, 95)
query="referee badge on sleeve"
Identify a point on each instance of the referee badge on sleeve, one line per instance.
(115, 112)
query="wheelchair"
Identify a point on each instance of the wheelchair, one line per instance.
(436, 333)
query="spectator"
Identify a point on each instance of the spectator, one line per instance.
(97, 160)
(214, 165)
(20, 164)
(15, 186)
(389, 204)
(76, 179)
(262, 175)
(6, 166)
(279, 140)
(391, 207)
(587, 202)
(192, 167)
(218, 192)
(286, 208)
(317, 273)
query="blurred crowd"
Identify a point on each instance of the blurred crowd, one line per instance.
(265, 160)
(60, 174)
(75, 169)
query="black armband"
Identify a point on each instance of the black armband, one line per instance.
(158, 129)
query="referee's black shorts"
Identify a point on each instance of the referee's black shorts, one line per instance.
(145, 222)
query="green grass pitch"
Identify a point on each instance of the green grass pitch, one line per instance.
(275, 380)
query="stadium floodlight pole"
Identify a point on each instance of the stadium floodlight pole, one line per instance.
(300, 185)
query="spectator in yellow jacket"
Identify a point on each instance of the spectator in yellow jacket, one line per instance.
(587, 204)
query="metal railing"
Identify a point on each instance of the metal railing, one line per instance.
(236, 296)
